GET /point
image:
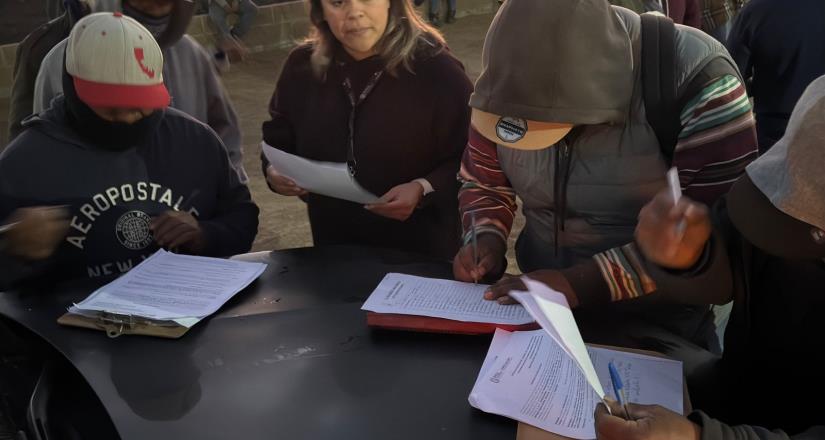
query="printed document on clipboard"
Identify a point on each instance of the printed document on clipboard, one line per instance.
(331, 179)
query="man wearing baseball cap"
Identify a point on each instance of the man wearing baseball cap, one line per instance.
(189, 70)
(133, 174)
(559, 121)
(763, 247)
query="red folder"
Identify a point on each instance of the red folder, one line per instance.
(428, 324)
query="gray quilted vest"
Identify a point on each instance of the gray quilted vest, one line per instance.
(583, 195)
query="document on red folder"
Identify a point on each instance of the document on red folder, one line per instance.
(426, 304)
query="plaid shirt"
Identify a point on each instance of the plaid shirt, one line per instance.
(716, 13)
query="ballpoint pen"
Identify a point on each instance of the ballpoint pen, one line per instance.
(618, 388)
(474, 242)
(8, 227)
(676, 193)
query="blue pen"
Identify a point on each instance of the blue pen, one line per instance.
(618, 388)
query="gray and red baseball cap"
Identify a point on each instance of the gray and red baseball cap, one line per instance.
(115, 62)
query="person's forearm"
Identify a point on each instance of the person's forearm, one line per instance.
(485, 191)
(623, 273)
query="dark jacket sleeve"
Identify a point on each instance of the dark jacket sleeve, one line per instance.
(739, 45)
(451, 122)
(715, 430)
(278, 131)
(30, 54)
(235, 223)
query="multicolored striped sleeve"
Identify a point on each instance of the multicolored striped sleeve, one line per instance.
(717, 141)
(485, 190)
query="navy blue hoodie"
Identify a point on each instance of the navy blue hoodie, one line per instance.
(112, 195)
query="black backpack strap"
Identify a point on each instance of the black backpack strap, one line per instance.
(659, 79)
(662, 98)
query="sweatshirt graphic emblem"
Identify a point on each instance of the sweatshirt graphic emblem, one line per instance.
(132, 230)
(139, 57)
(510, 129)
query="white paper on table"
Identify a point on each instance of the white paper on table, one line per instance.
(528, 377)
(552, 312)
(169, 286)
(411, 295)
(331, 179)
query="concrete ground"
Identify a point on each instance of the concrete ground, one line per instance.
(283, 220)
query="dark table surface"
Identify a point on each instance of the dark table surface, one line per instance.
(290, 357)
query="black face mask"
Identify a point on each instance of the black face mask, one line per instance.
(156, 25)
(115, 136)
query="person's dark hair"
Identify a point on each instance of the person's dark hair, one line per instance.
(406, 32)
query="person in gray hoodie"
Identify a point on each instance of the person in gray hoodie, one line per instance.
(763, 247)
(189, 70)
(563, 126)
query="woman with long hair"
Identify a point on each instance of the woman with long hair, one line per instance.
(376, 87)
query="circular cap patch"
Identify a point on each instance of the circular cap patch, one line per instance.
(511, 129)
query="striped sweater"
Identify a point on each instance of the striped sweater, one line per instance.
(717, 140)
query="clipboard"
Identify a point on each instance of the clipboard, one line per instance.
(427, 324)
(530, 432)
(115, 325)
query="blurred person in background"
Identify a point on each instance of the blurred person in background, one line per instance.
(780, 49)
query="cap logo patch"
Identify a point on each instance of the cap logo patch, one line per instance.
(510, 129)
(139, 57)
(818, 235)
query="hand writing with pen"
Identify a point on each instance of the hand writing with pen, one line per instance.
(642, 422)
(178, 231)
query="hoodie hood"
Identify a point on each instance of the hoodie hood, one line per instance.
(166, 30)
(561, 61)
(53, 123)
(792, 173)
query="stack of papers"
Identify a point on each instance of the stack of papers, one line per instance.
(178, 289)
(400, 294)
(548, 378)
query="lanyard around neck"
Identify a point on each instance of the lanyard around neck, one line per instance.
(354, 103)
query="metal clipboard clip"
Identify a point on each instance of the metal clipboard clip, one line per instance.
(116, 325)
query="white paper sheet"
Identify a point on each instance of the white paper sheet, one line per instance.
(552, 312)
(326, 178)
(169, 286)
(411, 295)
(528, 377)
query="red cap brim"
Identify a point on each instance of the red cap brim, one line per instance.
(96, 94)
